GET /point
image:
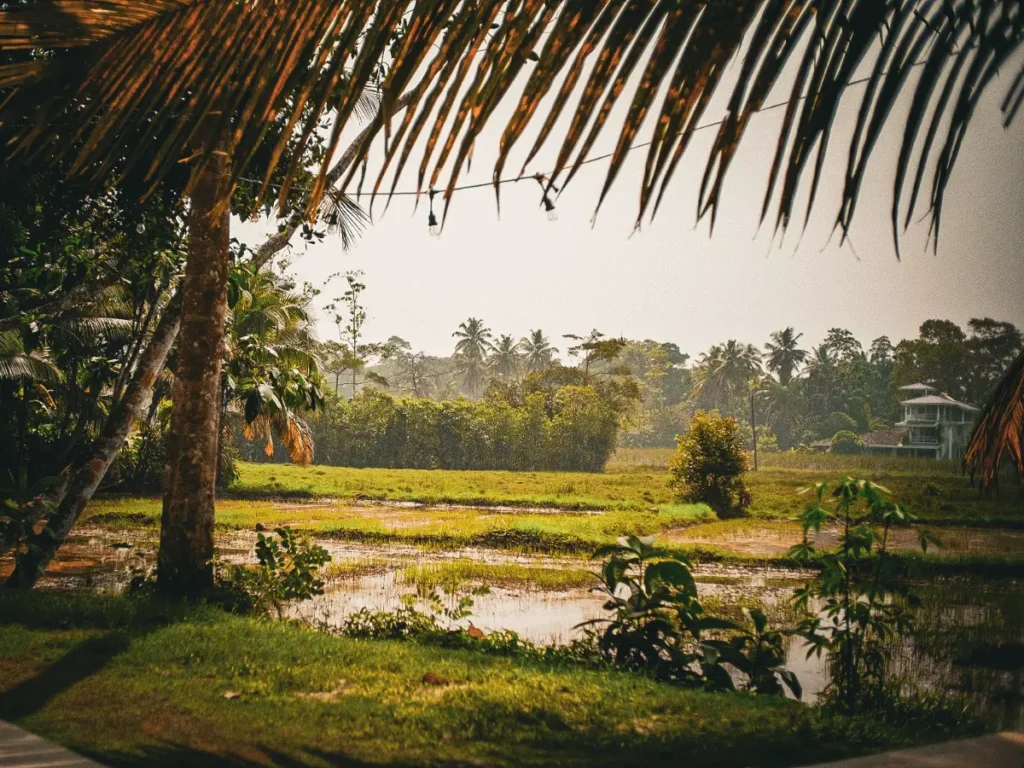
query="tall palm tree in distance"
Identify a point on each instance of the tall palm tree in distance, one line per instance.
(506, 358)
(537, 351)
(475, 343)
(724, 372)
(784, 357)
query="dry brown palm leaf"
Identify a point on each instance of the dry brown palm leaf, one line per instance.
(999, 433)
(291, 430)
(158, 68)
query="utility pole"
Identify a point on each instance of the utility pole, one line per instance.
(753, 425)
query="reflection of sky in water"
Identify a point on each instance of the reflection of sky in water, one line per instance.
(958, 617)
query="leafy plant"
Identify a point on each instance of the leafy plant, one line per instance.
(760, 654)
(410, 623)
(660, 627)
(860, 617)
(709, 464)
(289, 569)
(22, 506)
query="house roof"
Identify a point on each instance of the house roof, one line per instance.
(942, 399)
(885, 437)
(919, 386)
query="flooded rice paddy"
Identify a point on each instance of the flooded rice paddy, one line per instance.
(969, 638)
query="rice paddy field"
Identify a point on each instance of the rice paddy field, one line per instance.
(495, 552)
(638, 480)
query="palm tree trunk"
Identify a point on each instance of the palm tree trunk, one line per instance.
(84, 478)
(185, 561)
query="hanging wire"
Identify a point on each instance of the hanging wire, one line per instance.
(550, 210)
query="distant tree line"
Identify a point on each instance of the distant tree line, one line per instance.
(795, 394)
(549, 421)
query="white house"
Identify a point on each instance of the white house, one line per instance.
(936, 421)
(934, 425)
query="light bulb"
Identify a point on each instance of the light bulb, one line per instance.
(432, 226)
(550, 208)
(140, 228)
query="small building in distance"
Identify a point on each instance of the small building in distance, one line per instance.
(934, 426)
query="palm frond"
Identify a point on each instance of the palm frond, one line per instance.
(159, 68)
(92, 328)
(343, 216)
(999, 433)
(16, 363)
(292, 431)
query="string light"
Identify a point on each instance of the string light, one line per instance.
(549, 207)
(432, 226)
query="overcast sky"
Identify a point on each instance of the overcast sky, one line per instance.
(671, 281)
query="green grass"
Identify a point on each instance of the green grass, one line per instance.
(551, 490)
(132, 683)
(447, 526)
(455, 574)
(932, 490)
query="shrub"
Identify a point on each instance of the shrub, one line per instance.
(140, 463)
(709, 464)
(659, 626)
(289, 569)
(845, 441)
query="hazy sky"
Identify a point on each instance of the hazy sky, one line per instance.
(671, 281)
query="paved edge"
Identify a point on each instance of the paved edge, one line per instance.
(21, 749)
(999, 750)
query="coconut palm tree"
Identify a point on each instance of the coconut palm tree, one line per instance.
(474, 340)
(538, 353)
(471, 350)
(723, 373)
(506, 358)
(784, 357)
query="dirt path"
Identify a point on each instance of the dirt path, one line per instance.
(1001, 750)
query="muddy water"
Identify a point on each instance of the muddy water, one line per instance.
(970, 637)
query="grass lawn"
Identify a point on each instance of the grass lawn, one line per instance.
(134, 683)
(932, 490)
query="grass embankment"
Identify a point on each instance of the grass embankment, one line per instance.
(132, 683)
(934, 491)
(445, 527)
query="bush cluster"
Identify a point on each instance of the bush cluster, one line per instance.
(572, 428)
(709, 464)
